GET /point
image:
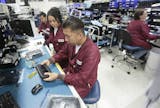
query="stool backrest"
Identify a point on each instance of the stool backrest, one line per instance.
(124, 36)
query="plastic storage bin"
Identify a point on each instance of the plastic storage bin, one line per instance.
(54, 101)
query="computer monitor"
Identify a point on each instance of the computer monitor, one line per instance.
(2, 1)
(10, 1)
(147, 0)
(113, 4)
(22, 27)
(7, 1)
(87, 13)
(77, 5)
(76, 13)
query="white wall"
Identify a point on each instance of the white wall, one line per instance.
(45, 5)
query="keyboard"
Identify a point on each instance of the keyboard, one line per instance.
(41, 69)
(7, 101)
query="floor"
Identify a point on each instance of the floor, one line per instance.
(119, 89)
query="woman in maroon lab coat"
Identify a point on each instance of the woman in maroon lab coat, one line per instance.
(56, 37)
(83, 56)
(139, 30)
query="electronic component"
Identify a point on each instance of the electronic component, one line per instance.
(9, 60)
(9, 77)
(9, 57)
(33, 54)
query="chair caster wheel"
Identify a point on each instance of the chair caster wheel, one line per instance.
(128, 73)
(134, 67)
(109, 51)
(112, 66)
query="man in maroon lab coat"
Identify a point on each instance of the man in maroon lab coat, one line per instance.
(44, 26)
(44, 23)
(83, 56)
(139, 30)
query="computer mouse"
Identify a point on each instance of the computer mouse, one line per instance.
(36, 89)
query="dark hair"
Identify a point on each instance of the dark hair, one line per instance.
(56, 14)
(42, 14)
(138, 13)
(74, 24)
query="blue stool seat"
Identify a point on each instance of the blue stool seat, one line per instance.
(94, 94)
(132, 48)
(137, 52)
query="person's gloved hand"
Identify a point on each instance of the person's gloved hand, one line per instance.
(52, 76)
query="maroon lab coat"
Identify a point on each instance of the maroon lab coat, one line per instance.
(43, 26)
(82, 68)
(58, 40)
(139, 32)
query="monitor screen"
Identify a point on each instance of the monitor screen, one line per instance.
(75, 13)
(125, 4)
(10, 1)
(22, 27)
(2, 1)
(77, 5)
(7, 1)
(113, 4)
(88, 13)
(148, 0)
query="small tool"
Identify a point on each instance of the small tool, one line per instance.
(32, 74)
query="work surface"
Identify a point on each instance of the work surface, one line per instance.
(22, 91)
